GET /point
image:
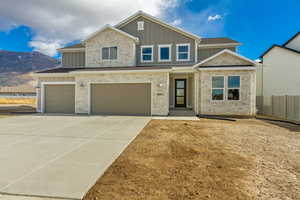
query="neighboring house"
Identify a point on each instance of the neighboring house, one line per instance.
(17, 91)
(144, 66)
(279, 73)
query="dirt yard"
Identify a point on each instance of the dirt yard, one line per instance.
(207, 159)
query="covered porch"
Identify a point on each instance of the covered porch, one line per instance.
(182, 90)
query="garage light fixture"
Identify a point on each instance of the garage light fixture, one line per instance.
(81, 85)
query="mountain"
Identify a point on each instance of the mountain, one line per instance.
(16, 67)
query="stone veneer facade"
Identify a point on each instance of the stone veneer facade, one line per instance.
(159, 88)
(110, 38)
(226, 59)
(244, 106)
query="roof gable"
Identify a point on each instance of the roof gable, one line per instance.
(278, 46)
(226, 58)
(113, 29)
(156, 20)
(292, 38)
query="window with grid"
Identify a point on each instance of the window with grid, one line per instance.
(146, 53)
(233, 88)
(217, 93)
(109, 53)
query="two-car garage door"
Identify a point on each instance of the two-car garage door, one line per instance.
(106, 99)
(121, 99)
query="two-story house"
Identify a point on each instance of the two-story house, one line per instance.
(279, 72)
(144, 66)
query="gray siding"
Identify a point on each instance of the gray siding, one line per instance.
(155, 34)
(73, 59)
(205, 53)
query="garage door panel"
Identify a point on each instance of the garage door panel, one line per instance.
(121, 99)
(59, 98)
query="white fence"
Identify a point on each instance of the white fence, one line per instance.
(285, 107)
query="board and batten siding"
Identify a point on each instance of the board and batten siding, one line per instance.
(204, 53)
(156, 34)
(73, 59)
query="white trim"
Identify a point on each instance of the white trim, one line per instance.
(189, 51)
(219, 45)
(196, 52)
(222, 52)
(114, 82)
(239, 88)
(170, 52)
(114, 29)
(67, 75)
(71, 50)
(212, 88)
(140, 25)
(152, 53)
(156, 20)
(226, 68)
(51, 83)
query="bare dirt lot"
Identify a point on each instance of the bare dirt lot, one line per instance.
(206, 159)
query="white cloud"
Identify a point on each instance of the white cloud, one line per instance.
(213, 18)
(58, 22)
(176, 22)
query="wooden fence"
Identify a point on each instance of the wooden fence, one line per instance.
(285, 107)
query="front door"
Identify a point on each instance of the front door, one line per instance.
(180, 92)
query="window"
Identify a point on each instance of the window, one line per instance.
(109, 53)
(147, 54)
(183, 52)
(233, 88)
(140, 26)
(217, 88)
(164, 53)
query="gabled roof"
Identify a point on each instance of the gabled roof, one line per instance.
(223, 52)
(156, 20)
(292, 38)
(75, 47)
(114, 29)
(218, 41)
(282, 47)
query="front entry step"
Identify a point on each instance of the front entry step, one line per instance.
(181, 112)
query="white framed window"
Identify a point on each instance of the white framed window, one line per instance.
(233, 88)
(109, 53)
(147, 53)
(218, 88)
(183, 52)
(140, 25)
(164, 52)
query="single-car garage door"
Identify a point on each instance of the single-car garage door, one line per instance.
(121, 99)
(59, 98)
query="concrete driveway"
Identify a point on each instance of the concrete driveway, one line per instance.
(60, 156)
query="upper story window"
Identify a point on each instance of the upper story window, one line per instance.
(109, 53)
(233, 90)
(164, 53)
(140, 25)
(217, 92)
(183, 52)
(147, 53)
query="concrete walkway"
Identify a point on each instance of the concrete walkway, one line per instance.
(60, 156)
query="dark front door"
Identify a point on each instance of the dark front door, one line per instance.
(180, 92)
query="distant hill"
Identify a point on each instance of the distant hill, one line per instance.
(15, 67)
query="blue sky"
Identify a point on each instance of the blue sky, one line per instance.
(256, 23)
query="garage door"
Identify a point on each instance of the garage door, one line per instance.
(59, 98)
(121, 99)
